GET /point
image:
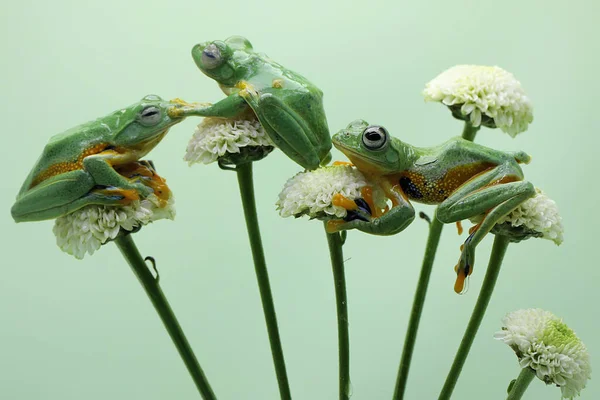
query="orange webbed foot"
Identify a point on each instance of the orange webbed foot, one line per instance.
(342, 201)
(333, 225)
(460, 286)
(128, 195)
(367, 194)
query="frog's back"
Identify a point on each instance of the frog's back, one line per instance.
(442, 169)
(65, 151)
(292, 89)
(460, 151)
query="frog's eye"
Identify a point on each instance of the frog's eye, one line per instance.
(211, 56)
(374, 137)
(150, 115)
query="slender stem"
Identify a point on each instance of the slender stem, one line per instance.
(150, 284)
(334, 241)
(469, 131)
(487, 288)
(522, 383)
(435, 231)
(246, 184)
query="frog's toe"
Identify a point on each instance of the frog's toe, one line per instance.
(461, 283)
(463, 270)
(459, 228)
(342, 201)
(122, 196)
(344, 163)
(143, 190)
(181, 102)
(334, 225)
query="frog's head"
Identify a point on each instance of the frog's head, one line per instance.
(146, 121)
(369, 147)
(223, 61)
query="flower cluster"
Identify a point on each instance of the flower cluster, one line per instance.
(217, 138)
(536, 217)
(311, 192)
(547, 345)
(85, 230)
(488, 96)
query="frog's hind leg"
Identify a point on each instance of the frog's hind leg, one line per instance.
(465, 265)
(494, 194)
(98, 196)
(35, 204)
(287, 130)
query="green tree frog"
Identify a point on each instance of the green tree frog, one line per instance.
(288, 106)
(466, 179)
(77, 167)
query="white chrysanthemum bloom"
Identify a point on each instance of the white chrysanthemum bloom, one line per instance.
(217, 137)
(488, 96)
(311, 192)
(538, 214)
(547, 345)
(85, 230)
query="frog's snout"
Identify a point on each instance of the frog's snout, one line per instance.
(198, 49)
(339, 137)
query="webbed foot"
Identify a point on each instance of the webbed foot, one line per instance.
(464, 268)
(342, 201)
(126, 195)
(334, 225)
(367, 194)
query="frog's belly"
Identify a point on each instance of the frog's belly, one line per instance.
(420, 188)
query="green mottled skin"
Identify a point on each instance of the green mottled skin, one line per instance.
(466, 180)
(288, 105)
(77, 164)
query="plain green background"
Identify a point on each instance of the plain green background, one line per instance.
(85, 330)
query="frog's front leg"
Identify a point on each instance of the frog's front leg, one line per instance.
(494, 194)
(100, 167)
(230, 107)
(389, 223)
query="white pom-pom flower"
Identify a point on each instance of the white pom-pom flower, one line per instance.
(311, 193)
(488, 96)
(85, 230)
(537, 214)
(218, 137)
(547, 345)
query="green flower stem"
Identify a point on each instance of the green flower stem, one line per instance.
(150, 284)
(521, 384)
(487, 288)
(246, 183)
(334, 241)
(469, 131)
(435, 231)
